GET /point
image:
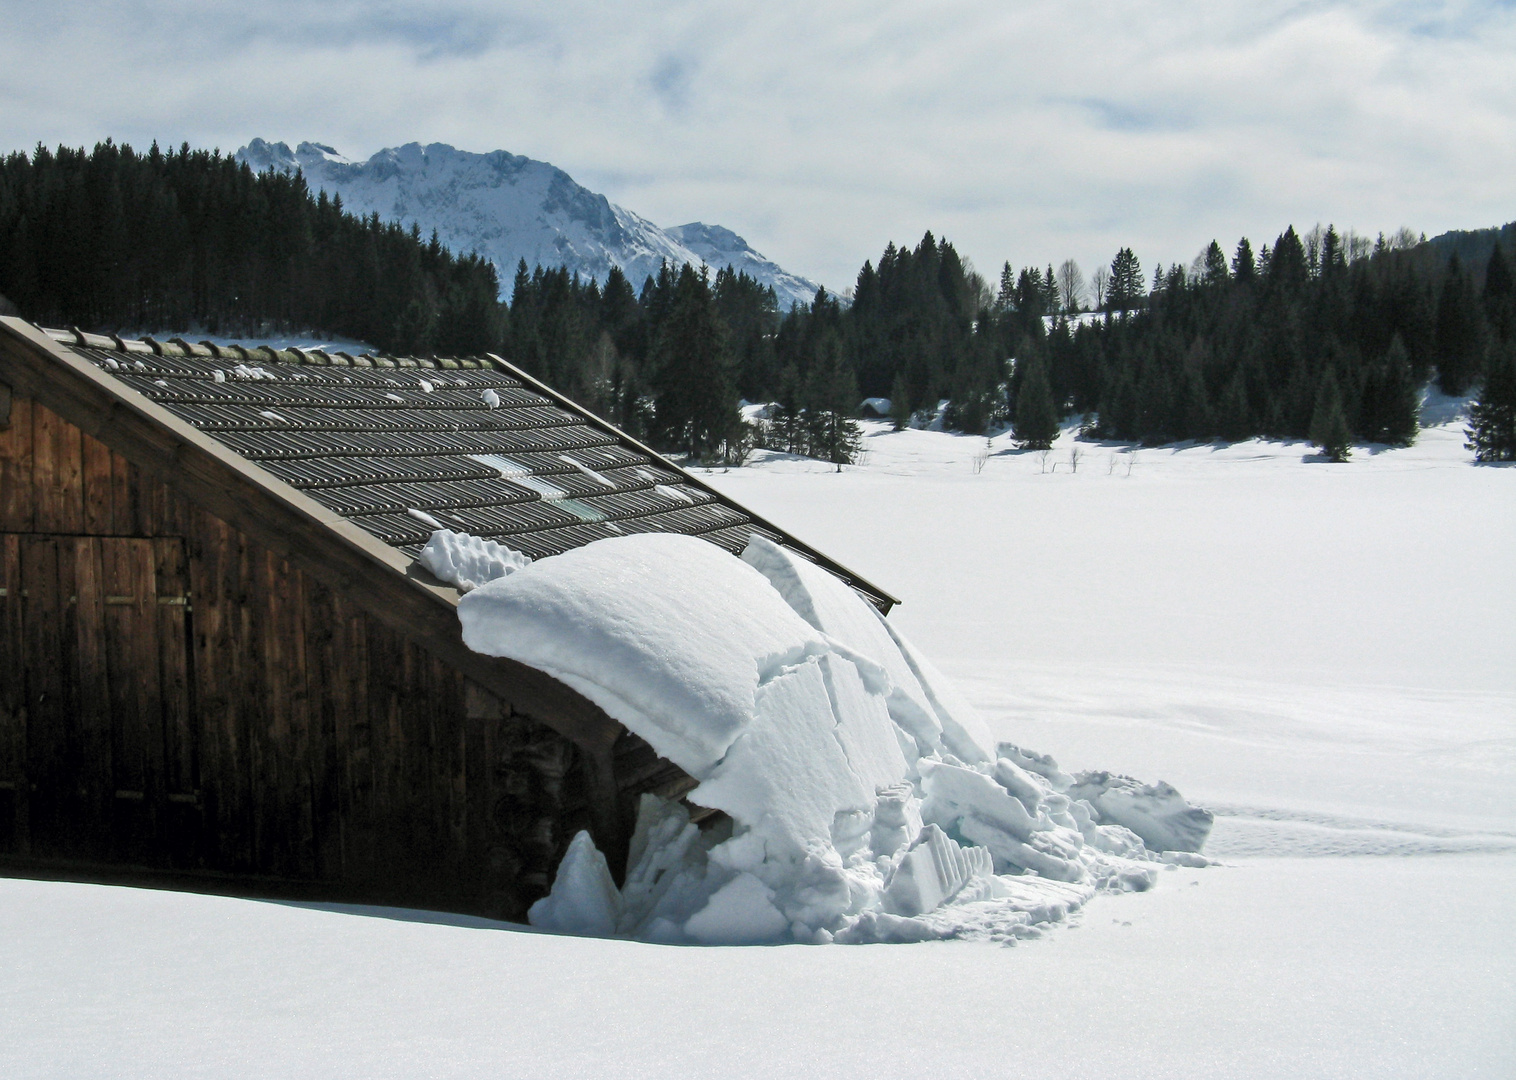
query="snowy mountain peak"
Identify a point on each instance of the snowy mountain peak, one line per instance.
(509, 208)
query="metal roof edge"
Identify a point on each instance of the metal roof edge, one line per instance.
(857, 581)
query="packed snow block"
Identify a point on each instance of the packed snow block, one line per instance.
(833, 608)
(897, 819)
(666, 867)
(964, 734)
(1052, 853)
(954, 793)
(975, 807)
(818, 892)
(467, 562)
(787, 776)
(1027, 788)
(583, 899)
(669, 634)
(741, 912)
(931, 872)
(864, 727)
(882, 928)
(1041, 764)
(1155, 812)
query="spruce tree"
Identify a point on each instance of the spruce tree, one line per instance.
(1399, 402)
(1492, 419)
(1244, 269)
(831, 396)
(1459, 333)
(1126, 285)
(1155, 404)
(1036, 423)
(696, 403)
(1232, 413)
(1215, 265)
(900, 403)
(1329, 426)
(1500, 296)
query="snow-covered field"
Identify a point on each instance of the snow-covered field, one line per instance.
(1323, 654)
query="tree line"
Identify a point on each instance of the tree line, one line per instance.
(1318, 336)
(114, 239)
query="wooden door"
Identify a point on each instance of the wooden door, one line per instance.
(95, 700)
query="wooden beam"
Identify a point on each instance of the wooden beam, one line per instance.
(5, 406)
(334, 551)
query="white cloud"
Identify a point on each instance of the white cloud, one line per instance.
(820, 132)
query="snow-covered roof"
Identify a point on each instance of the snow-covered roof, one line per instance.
(403, 446)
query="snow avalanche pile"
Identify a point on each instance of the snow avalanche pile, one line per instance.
(865, 800)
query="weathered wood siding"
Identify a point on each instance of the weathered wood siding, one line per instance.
(174, 695)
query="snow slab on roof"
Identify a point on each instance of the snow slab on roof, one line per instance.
(865, 801)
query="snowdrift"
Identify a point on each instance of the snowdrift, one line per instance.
(864, 799)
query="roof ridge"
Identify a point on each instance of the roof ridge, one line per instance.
(209, 350)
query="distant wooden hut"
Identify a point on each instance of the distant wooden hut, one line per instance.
(220, 663)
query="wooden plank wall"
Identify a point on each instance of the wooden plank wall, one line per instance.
(174, 695)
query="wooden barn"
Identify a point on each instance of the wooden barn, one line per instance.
(220, 664)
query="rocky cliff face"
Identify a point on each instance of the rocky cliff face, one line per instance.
(508, 208)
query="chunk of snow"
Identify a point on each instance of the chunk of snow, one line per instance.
(423, 517)
(897, 819)
(1155, 812)
(668, 491)
(599, 478)
(669, 634)
(774, 690)
(787, 774)
(490, 398)
(218, 376)
(741, 912)
(468, 562)
(1041, 764)
(426, 387)
(584, 899)
(964, 734)
(836, 610)
(933, 870)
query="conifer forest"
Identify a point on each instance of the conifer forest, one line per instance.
(1315, 335)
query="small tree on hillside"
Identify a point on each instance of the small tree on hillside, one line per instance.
(1492, 420)
(1071, 286)
(900, 403)
(1398, 404)
(1036, 423)
(1329, 426)
(1125, 288)
(831, 393)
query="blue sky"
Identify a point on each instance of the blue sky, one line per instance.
(1034, 133)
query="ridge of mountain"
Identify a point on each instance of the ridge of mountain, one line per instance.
(507, 207)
